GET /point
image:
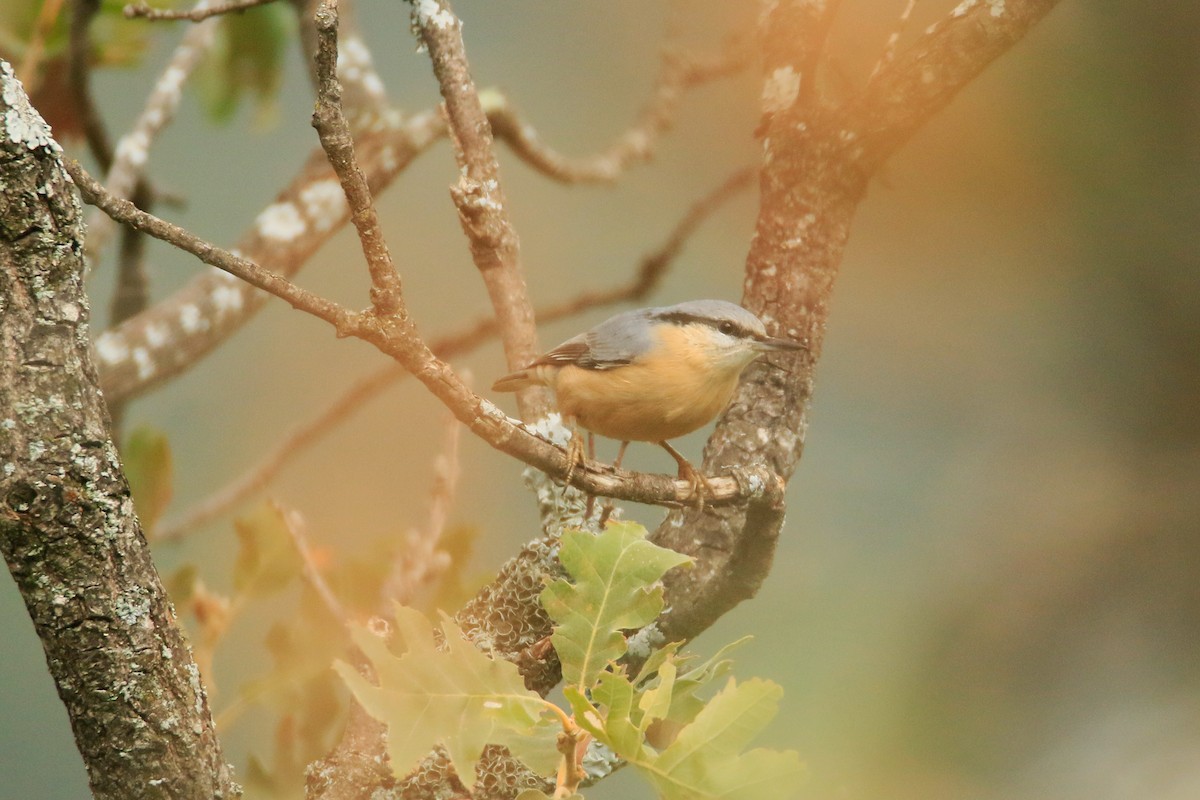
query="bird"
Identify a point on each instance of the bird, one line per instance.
(650, 375)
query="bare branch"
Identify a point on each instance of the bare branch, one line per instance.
(650, 272)
(133, 149)
(334, 131)
(889, 48)
(479, 195)
(27, 72)
(176, 333)
(922, 80)
(294, 522)
(816, 164)
(262, 473)
(677, 73)
(396, 336)
(197, 14)
(343, 320)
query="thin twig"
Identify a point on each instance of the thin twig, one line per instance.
(653, 266)
(133, 149)
(176, 333)
(677, 73)
(262, 473)
(396, 337)
(419, 561)
(294, 523)
(198, 14)
(479, 195)
(334, 132)
(343, 320)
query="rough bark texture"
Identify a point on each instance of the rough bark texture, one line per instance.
(817, 161)
(67, 527)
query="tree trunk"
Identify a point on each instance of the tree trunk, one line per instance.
(67, 526)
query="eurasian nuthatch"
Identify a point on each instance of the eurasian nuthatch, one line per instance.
(651, 374)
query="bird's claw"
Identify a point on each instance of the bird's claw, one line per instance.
(699, 493)
(575, 456)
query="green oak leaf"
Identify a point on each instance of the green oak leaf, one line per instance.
(706, 762)
(267, 559)
(247, 57)
(456, 697)
(612, 589)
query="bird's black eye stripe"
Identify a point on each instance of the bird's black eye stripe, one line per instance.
(725, 326)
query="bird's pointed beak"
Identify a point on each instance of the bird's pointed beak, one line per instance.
(767, 343)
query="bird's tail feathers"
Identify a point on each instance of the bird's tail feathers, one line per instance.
(515, 382)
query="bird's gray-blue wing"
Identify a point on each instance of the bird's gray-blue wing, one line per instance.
(613, 343)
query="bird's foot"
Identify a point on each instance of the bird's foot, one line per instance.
(575, 456)
(690, 474)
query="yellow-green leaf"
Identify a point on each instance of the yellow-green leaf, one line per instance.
(267, 559)
(706, 762)
(455, 697)
(612, 589)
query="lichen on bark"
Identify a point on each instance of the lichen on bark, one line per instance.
(68, 531)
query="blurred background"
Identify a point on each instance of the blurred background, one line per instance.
(989, 582)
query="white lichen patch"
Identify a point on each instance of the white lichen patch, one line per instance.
(780, 90)
(324, 203)
(227, 299)
(190, 319)
(132, 606)
(995, 8)
(145, 364)
(134, 148)
(156, 335)
(352, 54)
(70, 312)
(171, 82)
(552, 429)
(387, 159)
(22, 123)
(281, 222)
(430, 12)
(111, 348)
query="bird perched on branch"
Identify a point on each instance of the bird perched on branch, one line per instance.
(651, 374)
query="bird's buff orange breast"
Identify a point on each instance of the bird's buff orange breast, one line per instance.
(667, 393)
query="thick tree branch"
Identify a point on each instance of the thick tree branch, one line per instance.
(67, 528)
(919, 83)
(816, 164)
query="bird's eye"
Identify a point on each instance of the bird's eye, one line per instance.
(727, 328)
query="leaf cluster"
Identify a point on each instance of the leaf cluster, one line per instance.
(454, 696)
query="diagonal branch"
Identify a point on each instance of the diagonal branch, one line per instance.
(396, 336)
(334, 131)
(649, 274)
(816, 164)
(920, 82)
(482, 209)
